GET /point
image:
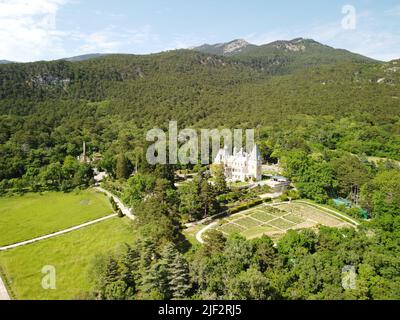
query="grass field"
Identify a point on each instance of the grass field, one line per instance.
(33, 215)
(276, 220)
(70, 254)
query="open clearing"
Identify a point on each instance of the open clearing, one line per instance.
(70, 254)
(276, 220)
(34, 215)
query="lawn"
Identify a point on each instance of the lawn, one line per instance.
(231, 228)
(70, 254)
(275, 211)
(33, 215)
(295, 219)
(262, 216)
(282, 224)
(259, 231)
(247, 222)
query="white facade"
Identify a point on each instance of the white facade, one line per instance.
(240, 166)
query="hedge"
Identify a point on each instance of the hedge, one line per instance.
(248, 205)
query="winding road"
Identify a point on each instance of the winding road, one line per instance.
(125, 210)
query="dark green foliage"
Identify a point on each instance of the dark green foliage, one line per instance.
(214, 242)
(198, 199)
(220, 180)
(120, 213)
(48, 108)
(158, 215)
(351, 174)
(179, 277)
(311, 110)
(111, 281)
(138, 187)
(114, 205)
(265, 254)
(381, 196)
(122, 169)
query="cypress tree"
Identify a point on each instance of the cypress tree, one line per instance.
(220, 180)
(121, 170)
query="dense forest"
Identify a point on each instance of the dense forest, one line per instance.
(334, 125)
(48, 108)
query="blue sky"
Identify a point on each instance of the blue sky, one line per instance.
(51, 29)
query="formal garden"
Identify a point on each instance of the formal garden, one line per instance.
(276, 219)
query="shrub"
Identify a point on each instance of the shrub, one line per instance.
(120, 213)
(294, 194)
(284, 198)
(245, 206)
(114, 204)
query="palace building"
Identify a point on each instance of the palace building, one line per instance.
(240, 166)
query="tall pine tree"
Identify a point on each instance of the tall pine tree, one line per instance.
(179, 277)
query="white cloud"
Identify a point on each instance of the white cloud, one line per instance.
(111, 40)
(28, 29)
(28, 32)
(368, 38)
(380, 45)
(99, 41)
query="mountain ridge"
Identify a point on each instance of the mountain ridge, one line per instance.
(286, 56)
(85, 57)
(238, 48)
(295, 45)
(225, 48)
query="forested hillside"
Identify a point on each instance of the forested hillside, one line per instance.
(48, 108)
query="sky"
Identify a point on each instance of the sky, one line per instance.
(32, 30)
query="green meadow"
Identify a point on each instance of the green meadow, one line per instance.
(34, 215)
(70, 254)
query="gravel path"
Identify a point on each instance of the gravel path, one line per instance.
(125, 210)
(199, 235)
